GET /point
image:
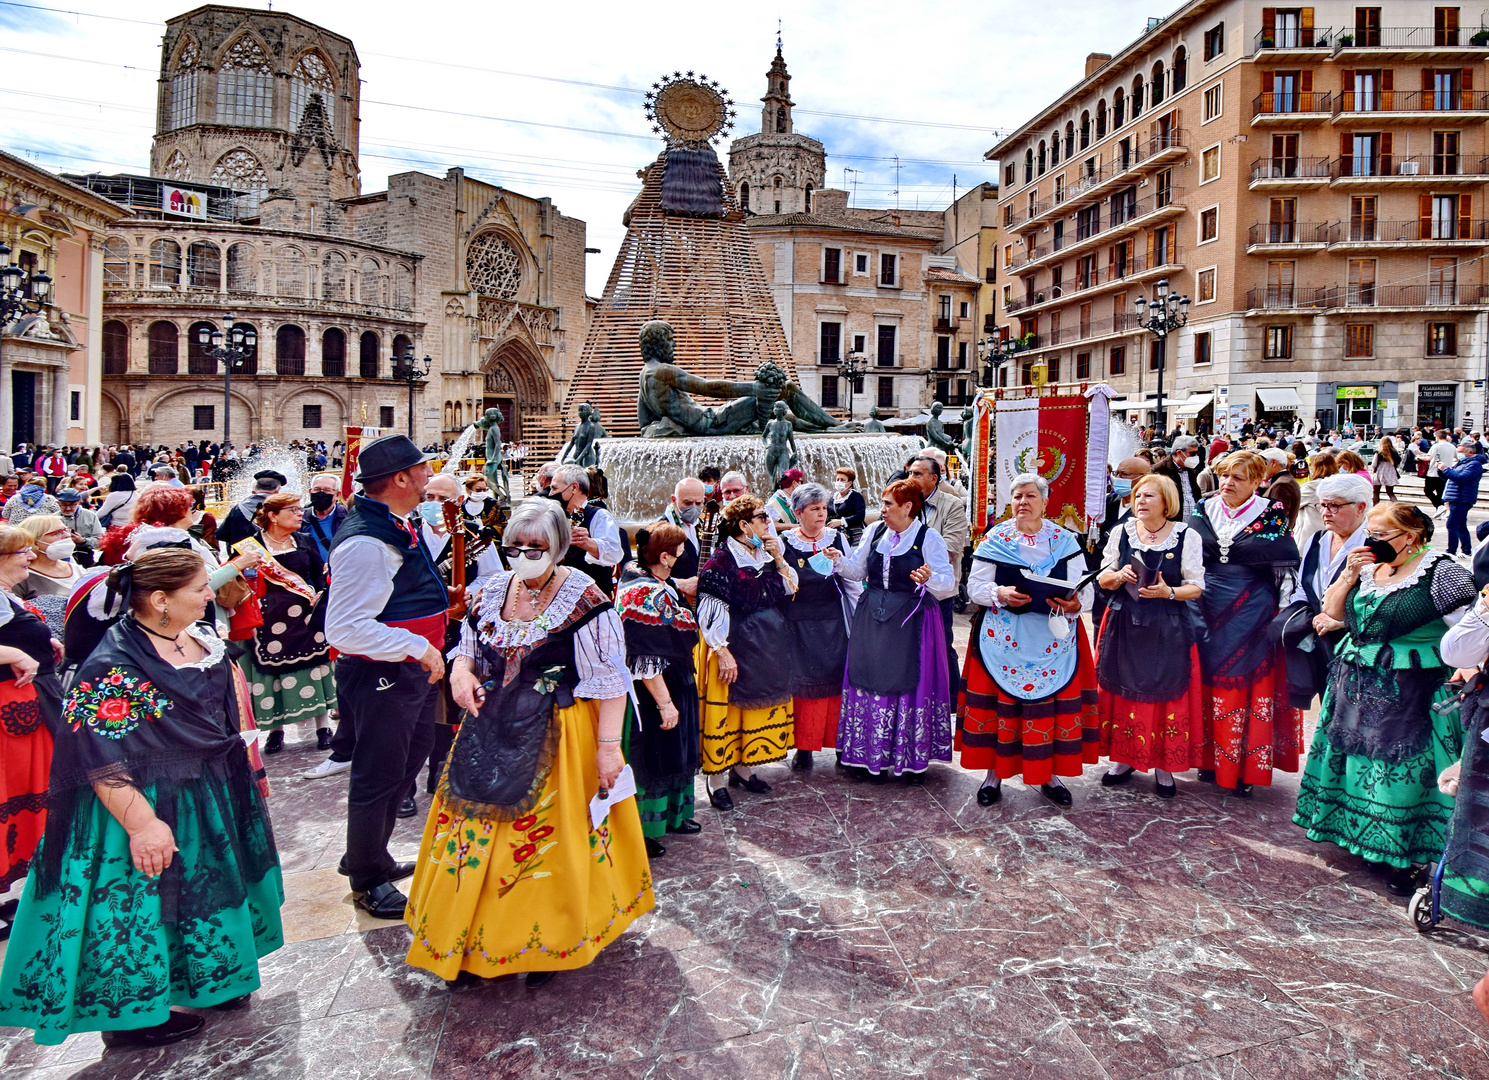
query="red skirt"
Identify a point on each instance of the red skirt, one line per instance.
(25, 762)
(1054, 736)
(817, 722)
(1250, 730)
(1155, 735)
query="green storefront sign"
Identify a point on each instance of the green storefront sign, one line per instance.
(1346, 393)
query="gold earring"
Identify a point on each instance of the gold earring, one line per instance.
(165, 618)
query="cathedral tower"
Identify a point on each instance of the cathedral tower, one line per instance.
(777, 171)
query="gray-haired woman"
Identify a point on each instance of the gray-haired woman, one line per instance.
(817, 615)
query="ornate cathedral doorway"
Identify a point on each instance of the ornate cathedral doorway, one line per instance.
(516, 382)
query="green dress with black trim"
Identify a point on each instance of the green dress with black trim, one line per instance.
(1370, 784)
(97, 945)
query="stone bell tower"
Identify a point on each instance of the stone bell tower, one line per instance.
(777, 171)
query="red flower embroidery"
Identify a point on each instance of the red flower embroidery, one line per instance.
(522, 824)
(114, 709)
(541, 832)
(525, 852)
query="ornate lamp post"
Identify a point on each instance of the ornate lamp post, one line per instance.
(1169, 312)
(994, 352)
(16, 299)
(411, 370)
(231, 346)
(853, 368)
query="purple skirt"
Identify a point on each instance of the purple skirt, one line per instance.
(902, 733)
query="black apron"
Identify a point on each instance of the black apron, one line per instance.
(885, 658)
(819, 636)
(1143, 653)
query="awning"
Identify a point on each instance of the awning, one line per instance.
(1124, 406)
(1279, 399)
(1194, 406)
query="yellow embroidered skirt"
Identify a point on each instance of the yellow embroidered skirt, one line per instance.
(734, 736)
(541, 893)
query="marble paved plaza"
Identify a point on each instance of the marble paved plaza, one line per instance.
(831, 929)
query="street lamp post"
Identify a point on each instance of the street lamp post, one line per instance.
(1169, 312)
(16, 299)
(231, 346)
(853, 369)
(994, 352)
(407, 368)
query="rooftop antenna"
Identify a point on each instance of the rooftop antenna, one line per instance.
(778, 35)
(897, 181)
(846, 171)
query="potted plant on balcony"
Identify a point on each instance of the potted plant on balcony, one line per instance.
(1266, 43)
(1346, 40)
(1481, 38)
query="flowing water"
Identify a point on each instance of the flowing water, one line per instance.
(642, 472)
(291, 463)
(1124, 442)
(461, 449)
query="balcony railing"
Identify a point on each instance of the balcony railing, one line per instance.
(1398, 101)
(1079, 186)
(1311, 37)
(1099, 276)
(1278, 103)
(1293, 232)
(1277, 297)
(1386, 232)
(1404, 37)
(1290, 168)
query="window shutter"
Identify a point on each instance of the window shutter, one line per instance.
(1269, 22)
(1385, 153)
(1150, 249)
(1465, 216)
(1269, 79)
(1346, 80)
(1387, 88)
(1173, 242)
(1424, 215)
(1465, 88)
(1307, 18)
(1305, 82)
(1427, 81)
(1346, 145)
(1111, 262)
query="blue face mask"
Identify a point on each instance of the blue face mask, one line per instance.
(755, 541)
(431, 512)
(1121, 488)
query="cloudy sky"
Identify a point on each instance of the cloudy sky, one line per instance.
(545, 98)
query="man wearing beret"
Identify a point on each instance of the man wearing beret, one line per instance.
(385, 617)
(237, 523)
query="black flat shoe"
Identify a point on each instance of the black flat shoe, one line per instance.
(323, 738)
(1405, 880)
(989, 794)
(181, 1025)
(536, 979)
(1116, 779)
(1207, 776)
(754, 783)
(915, 779)
(654, 850)
(1060, 796)
(275, 742)
(1242, 790)
(802, 762)
(1165, 791)
(463, 979)
(384, 902)
(400, 870)
(856, 774)
(721, 799)
(688, 828)
(408, 808)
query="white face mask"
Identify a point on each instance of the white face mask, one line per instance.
(841, 485)
(475, 507)
(61, 550)
(531, 569)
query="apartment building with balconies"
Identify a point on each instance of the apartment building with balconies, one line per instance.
(1312, 178)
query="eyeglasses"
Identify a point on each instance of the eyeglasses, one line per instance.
(1335, 506)
(759, 515)
(524, 552)
(1383, 536)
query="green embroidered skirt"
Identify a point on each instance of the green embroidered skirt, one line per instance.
(1390, 813)
(95, 955)
(285, 697)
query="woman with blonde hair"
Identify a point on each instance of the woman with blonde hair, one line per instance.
(1370, 785)
(52, 575)
(1249, 728)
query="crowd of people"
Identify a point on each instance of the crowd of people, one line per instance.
(559, 706)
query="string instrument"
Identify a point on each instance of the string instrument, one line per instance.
(456, 529)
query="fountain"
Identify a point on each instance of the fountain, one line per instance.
(291, 463)
(459, 451)
(641, 473)
(1124, 442)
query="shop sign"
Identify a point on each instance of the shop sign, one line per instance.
(1349, 393)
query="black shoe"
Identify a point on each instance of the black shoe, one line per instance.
(754, 783)
(654, 850)
(383, 902)
(857, 774)
(988, 794)
(839, 754)
(1405, 880)
(401, 870)
(536, 979)
(1060, 796)
(323, 738)
(690, 827)
(915, 779)
(181, 1025)
(721, 799)
(275, 742)
(408, 808)
(464, 978)
(1207, 776)
(802, 762)
(1165, 791)
(8, 910)
(233, 1004)
(1116, 779)
(1242, 790)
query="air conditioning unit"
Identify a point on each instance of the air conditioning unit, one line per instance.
(1143, 182)
(1408, 168)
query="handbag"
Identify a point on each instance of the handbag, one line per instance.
(1422, 464)
(233, 592)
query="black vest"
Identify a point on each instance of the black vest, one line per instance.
(603, 576)
(418, 591)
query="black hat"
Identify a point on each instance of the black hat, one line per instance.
(269, 474)
(386, 456)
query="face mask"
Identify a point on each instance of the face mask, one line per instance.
(708, 489)
(690, 514)
(475, 507)
(1120, 487)
(841, 485)
(530, 569)
(754, 541)
(322, 500)
(1382, 550)
(431, 513)
(61, 550)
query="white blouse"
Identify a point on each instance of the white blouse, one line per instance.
(713, 613)
(599, 645)
(1191, 558)
(982, 584)
(857, 567)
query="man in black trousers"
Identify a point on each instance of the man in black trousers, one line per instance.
(385, 617)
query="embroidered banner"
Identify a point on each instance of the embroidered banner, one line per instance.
(354, 439)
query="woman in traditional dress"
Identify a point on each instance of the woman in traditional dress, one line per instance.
(288, 663)
(897, 707)
(1147, 665)
(512, 875)
(157, 882)
(661, 638)
(848, 507)
(30, 710)
(817, 618)
(1250, 557)
(744, 670)
(1370, 784)
(1031, 680)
